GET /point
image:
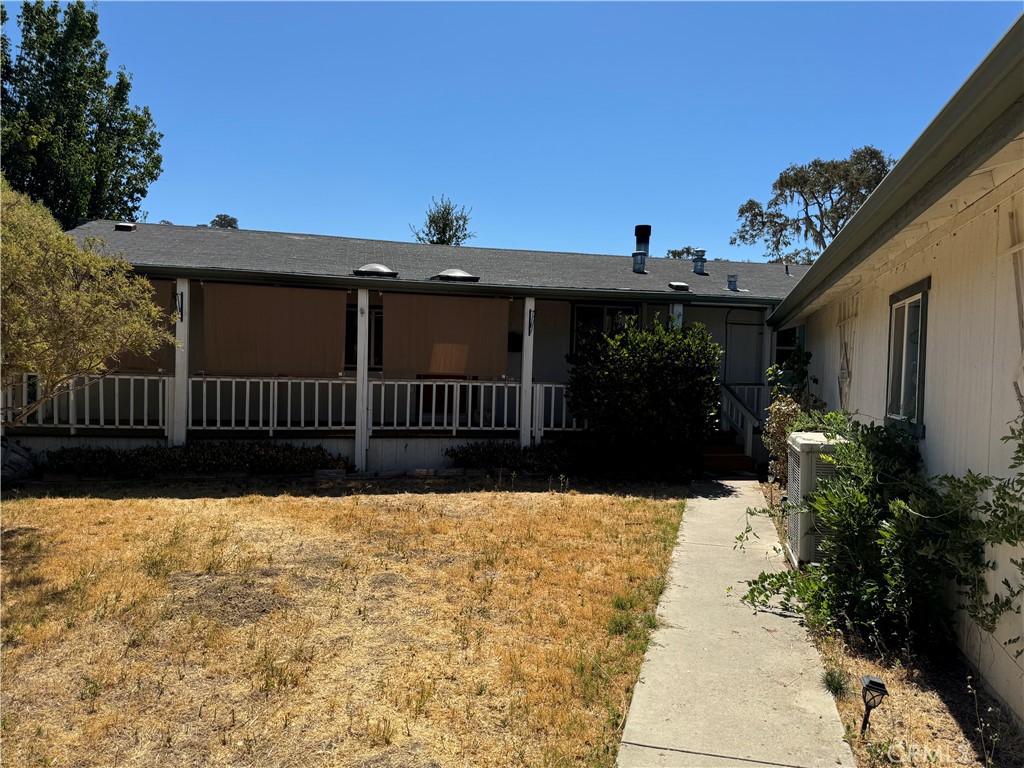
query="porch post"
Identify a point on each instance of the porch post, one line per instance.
(526, 424)
(766, 362)
(362, 445)
(177, 396)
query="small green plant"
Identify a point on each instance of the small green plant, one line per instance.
(837, 682)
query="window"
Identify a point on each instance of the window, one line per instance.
(907, 326)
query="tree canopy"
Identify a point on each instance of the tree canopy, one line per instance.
(810, 204)
(67, 312)
(686, 252)
(223, 221)
(71, 138)
(445, 224)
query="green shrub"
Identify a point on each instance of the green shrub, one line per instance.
(782, 415)
(648, 392)
(893, 543)
(569, 454)
(202, 457)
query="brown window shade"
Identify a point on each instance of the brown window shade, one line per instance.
(445, 335)
(271, 331)
(162, 359)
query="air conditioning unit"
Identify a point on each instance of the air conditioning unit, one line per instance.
(806, 467)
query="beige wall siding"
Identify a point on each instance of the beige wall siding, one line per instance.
(973, 351)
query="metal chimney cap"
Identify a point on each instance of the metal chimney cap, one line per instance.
(642, 230)
(374, 270)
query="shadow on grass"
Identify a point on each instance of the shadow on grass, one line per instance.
(226, 488)
(995, 737)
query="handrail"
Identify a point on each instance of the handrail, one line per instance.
(736, 411)
(728, 390)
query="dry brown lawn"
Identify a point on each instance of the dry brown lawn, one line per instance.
(401, 629)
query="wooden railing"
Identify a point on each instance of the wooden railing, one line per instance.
(265, 404)
(453, 405)
(737, 415)
(117, 401)
(236, 403)
(551, 409)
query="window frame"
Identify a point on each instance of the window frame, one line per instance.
(905, 298)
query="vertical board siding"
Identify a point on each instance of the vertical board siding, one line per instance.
(972, 357)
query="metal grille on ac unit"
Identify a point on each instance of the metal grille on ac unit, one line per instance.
(803, 542)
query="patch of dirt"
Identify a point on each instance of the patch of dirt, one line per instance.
(234, 600)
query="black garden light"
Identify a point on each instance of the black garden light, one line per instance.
(874, 691)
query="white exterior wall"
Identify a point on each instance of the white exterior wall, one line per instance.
(973, 350)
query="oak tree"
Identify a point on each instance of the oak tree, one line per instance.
(809, 204)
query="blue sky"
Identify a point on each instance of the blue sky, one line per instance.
(561, 124)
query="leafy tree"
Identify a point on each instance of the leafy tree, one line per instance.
(71, 138)
(67, 312)
(445, 224)
(811, 203)
(686, 252)
(223, 221)
(649, 394)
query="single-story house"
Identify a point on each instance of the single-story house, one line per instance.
(914, 314)
(389, 352)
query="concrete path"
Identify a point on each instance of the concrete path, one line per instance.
(720, 685)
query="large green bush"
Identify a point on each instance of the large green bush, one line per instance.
(650, 394)
(894, 543)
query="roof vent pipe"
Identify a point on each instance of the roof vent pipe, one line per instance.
(699, 261)
(640, 262)
(787, 269)
(643, 237)
(732, 280)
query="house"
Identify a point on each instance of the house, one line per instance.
(915, 312)
(390, 352)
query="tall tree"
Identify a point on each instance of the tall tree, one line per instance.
(71, 138)
(810, 204)
(223, 221)
(445, 224)
(68, 312)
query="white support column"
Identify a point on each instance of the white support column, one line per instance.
(177, 392)
(767, 360)
(362, 446)
(676, 313)
(526, 379)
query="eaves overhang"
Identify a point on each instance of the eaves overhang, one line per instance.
(398, 285)
(987, 108)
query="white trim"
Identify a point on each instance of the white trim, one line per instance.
(178, 391)
(526, 414)
(362, 444)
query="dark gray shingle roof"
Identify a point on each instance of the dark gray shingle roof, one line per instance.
(163, 249)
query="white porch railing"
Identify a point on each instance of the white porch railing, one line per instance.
(737, 415)
(235, 403)
(453, 405)
(551, 409)
(117, 401)
(265, 404)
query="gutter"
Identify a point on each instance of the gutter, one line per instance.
(992, 90)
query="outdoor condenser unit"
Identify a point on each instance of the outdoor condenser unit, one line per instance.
(803, 542)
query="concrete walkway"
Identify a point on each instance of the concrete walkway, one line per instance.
(720, 685)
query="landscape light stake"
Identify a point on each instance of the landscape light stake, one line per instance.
(874, 691)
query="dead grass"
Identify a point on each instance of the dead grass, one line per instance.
(934, 714)
(412, 629)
